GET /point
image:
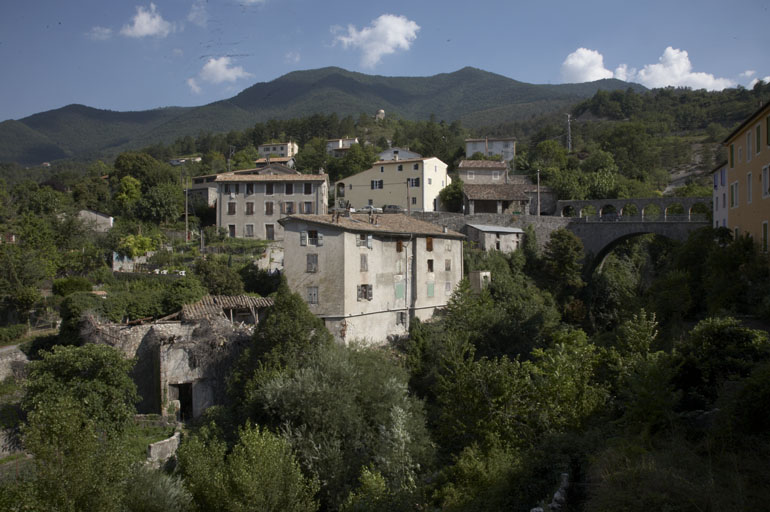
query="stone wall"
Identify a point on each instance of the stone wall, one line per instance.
(160, 452)
(12, 362)
(544, 225)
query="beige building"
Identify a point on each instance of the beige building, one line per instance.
(279, 149)
(249, 205)
(503, 146)
(338, 147)
(367, 276)
(748, 177)
(719, 197)
(483, 172)
(412, 184)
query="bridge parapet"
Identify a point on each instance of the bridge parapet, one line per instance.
(646, 208)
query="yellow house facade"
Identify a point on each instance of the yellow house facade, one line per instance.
(748, 177)
(413, 184)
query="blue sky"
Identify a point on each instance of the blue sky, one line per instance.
(137, 55)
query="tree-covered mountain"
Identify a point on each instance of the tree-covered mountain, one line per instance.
(475, 97)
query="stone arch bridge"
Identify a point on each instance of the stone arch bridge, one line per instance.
(602, 224)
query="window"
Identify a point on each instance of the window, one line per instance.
(227, 188)
(765, 181)
(413, 182)
(414, 200)
(723, 175)
(268, 189)
(364, 263)
(401, 318)
(365, 292)
(716, 181)
(749, 142)
(748, 188)
(312, 263)
(311, 238)
(495, 175)
(759, 137)
(399, 246)
(308, 188)
(399, 289)
(249, 208)
(288, 207)
(382, 168)
(249, 231)
(400, 167)
(430, 265)
(364, 240)
(430, 181)
(306, 207)
(416, 167)
(312, 295)
(732, 156)
(734, 194)
(431, 289)
(448, 265)
(231, 208)
(231, 230)
(376, 184)
(268, 207)
(289, 189)
(269, 232)
(429, 243)
(237, 188)
(764, 236)
(249, 189)
(448, 288)
(471, 175)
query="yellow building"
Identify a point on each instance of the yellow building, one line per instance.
(748, 177)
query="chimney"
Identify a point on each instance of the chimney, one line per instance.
(395, 154)
(445, 229)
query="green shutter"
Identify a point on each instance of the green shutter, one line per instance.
(732, 156)
(400, 290)
(431, 287)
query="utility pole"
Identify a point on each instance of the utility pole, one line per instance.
(538, 192)
(408, 200)
(569, 133)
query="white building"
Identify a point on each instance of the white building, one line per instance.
(338, 147)
(280, 149)
(504, 146)
(412, 184)
(250, 204)
(367, 276)
(719, 198)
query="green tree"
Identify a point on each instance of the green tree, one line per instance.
(451, 196)
(562, 268)
(218, 278)
(259, 473)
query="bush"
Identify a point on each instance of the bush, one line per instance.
(12, 334)
(65, 286)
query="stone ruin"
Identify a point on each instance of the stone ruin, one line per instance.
(180, 367)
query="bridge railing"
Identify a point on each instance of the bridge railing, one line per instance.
(612, 217)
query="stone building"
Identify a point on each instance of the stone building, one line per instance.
(494, 238)
(367, 276)
(483, 172)
(491, 146)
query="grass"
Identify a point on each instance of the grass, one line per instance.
(143, 434)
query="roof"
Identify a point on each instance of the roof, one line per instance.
(496, 192)
(405, 160)
(212, 306)
(390, 223)
(228, 177)
(275, 144)
(274, 159)
(490, 139)
(483, 164)
(748, 121)
(718, 167)
(495, 229)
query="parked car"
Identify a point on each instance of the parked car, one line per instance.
(370, 209)
(392, 208)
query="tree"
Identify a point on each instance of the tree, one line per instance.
(218, 278)
(161, 203)
(259, 473)
(79, 403)
(451, 196)
(129, 193)
(562, 268)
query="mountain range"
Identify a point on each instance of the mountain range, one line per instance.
(475, 97)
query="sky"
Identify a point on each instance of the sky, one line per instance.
(138, 55)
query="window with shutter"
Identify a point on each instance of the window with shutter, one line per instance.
(312, 263)
(303, 238)
(399, 246)
(431, 288)
(429, 243)
(364, 263)
(268, 207)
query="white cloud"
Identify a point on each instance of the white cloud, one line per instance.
(193, 84)
(99, 33)
(748, 73)
(252, 2)
(674, 69)
(292, 57)
(177, 52)
(584, 65)
(757, 80)
(198, 14)
(147, 23)
(384, 36)
(221, 70)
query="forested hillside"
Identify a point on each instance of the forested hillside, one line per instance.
(474, 96)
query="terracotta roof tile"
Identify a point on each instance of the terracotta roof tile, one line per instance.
(227, 177)
(496, 192)
(389, 223)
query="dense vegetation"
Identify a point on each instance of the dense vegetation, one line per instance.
(641, 381)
